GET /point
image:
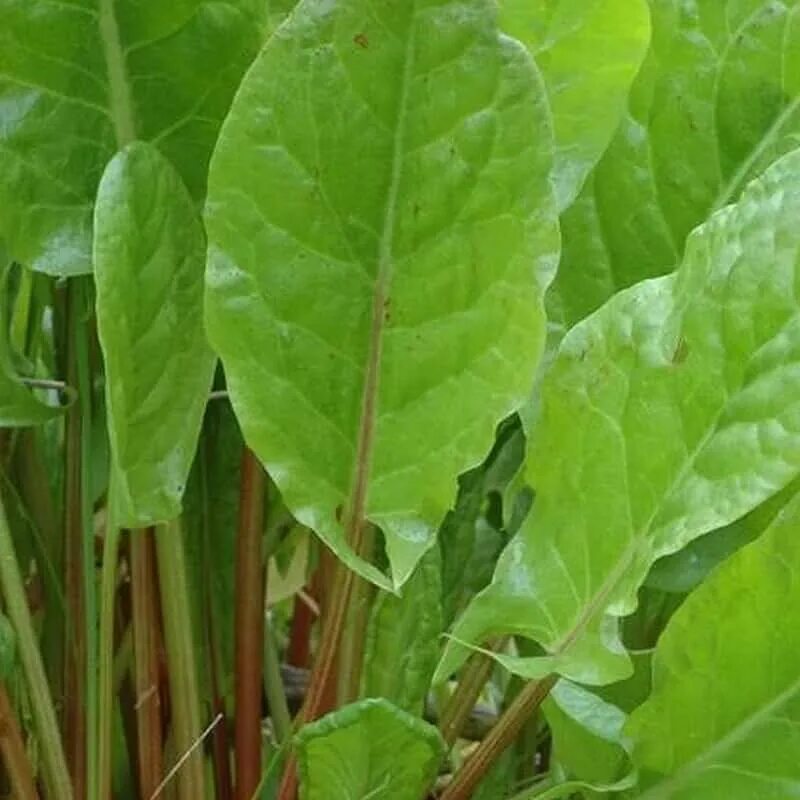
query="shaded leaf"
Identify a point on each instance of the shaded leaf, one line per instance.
(381, 230)
(717, 100)
(589, 52)
(368, 749)
(724, 716)
(638, 452)
(149, 256)
(82, 78)
(404, 638)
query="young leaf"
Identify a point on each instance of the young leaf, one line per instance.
(670, 412)
(370, 749)
(589, 52)
(149, 254)
(81, 79)
(18, 406)
(716, 101)
(403, 638)
(381, 230)
(588, 740)
(723, 717)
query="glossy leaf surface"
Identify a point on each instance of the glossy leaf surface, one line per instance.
(368, 749)
(723, 719)
(149, 254)
(717, 100)
(82, 78)
(381, 231)
(670, 412)
(589, 52)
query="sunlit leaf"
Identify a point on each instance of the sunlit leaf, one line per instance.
(149, 254)
(381, 230)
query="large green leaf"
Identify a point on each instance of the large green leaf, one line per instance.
(79, 79)
(717, 100)
(367, 750)
(670, 412)
(149, 254)
(381, 229)
(589, 52)
(723, 720)
(404, 638)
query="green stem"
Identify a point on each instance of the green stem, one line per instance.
(456, 713)
(145, 636)
(87, 550)
(44, 715)
(105, 722)
(273, 688)
(499, 739)
(181, 659)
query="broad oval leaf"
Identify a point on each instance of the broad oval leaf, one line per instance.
(717, 100)
(79, 79)
(672, 411)
(722, 721)
(370, 749)
(589, 52)
(381, 230)
(149, 254)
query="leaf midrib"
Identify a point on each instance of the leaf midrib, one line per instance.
(120, 100)
(733, 737)
(366, 432)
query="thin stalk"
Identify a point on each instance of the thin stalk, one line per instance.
(353, 644)
(105, 720)
(455, 714)
(93, 731)
(220, 737)
(145, 649)
(318, 697)
(181, 659)
(499, 739)
(75, 660)
(15, 756)
(249, 622)
(273, 688)
(44, 715)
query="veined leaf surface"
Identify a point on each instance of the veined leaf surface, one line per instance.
(149, 254)
(723, 720)
(370, 749)
(381, 230)
(717, 100)
(79, 79)
(589, 52)
(672, 411)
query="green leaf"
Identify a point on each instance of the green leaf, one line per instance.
(722, 721)
(717, 100)
(149, 254)
(670, 412)
(381, 230)
(79, 79)
(686, 569)
(8, 648)
(18, 405)
(588, 742)
(589, 52)
(404, 638)
(367, 750)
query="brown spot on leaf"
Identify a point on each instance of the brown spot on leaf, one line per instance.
(681, 352)
(361, 40)
(339, 512)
